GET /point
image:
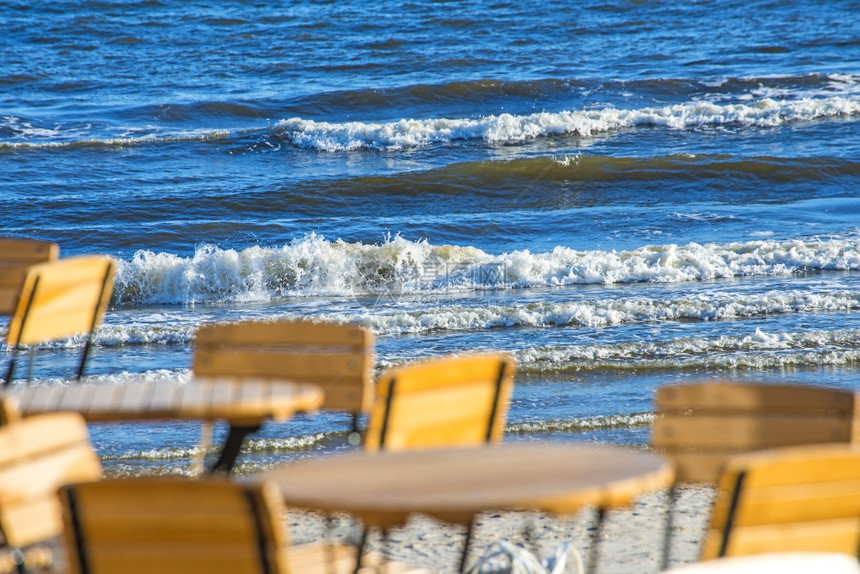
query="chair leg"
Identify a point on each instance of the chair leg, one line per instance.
(362, 543)
(84, 356)
(593, 553)
(671, 502)
(11, 368)
(464, 557)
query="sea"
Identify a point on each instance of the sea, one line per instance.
(622, 194)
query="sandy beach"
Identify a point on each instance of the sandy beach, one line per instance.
(631, 541)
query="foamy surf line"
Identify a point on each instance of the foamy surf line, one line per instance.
(313, 266)
(423, 315)
(759, 350)
(408, 133)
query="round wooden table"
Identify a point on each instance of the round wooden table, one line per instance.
(384, 489)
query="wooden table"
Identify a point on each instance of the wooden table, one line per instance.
(243, 403)
(453, 485)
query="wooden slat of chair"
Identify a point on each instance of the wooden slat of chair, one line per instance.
(798, 499)
(10, 410)
(452, 401)
(16, 255)
(176, 526)
(337, 357)
(701, 426)
(726, 396)
(37, 455)
(59, 299)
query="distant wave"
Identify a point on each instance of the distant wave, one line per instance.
(514, 174)
(314, 266)
(759, 350)
(586, 424)
(764, 112)
(407, 133)
(21, 134)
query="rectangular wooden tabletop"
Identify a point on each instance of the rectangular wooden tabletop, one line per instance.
(226, 398)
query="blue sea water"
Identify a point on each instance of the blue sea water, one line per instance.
(622, 194)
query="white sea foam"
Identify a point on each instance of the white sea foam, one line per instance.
(314, 266)
(772, 111)
(421, 315)
(756, 351)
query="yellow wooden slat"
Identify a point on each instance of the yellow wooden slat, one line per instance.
(300, 366)
(23, 250)
(8, 298)
(825, 536)
(278, 333)
(16, 255)
(10, 410)
(43, 470)
(757, 398)
(799, 503)
(39, 434)
(209, 559)
(748, 431)
(31, 521)
(449, 370)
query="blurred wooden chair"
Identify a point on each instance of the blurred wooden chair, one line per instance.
(335, 356)
(16, 255)
(451, 401)
(442, 402)
(59, 299)
(179, 526)
(700, 427)
(802, 499)
(37, 455)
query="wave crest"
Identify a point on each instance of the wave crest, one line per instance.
(314, 266)
(408, 133)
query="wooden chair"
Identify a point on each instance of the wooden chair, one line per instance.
(59, 299)
(178, 526)
(700, 427)
(335, 356)
(37, 455)
(788, 500)
(450, 401)
(443, 402)
(16, 255)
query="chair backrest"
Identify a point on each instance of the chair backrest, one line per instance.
(335, 356)
(16, 255)
(449, 401)
(37, 455)
(788, 500)
(173, 526)
(701, 426)
(59, 299)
